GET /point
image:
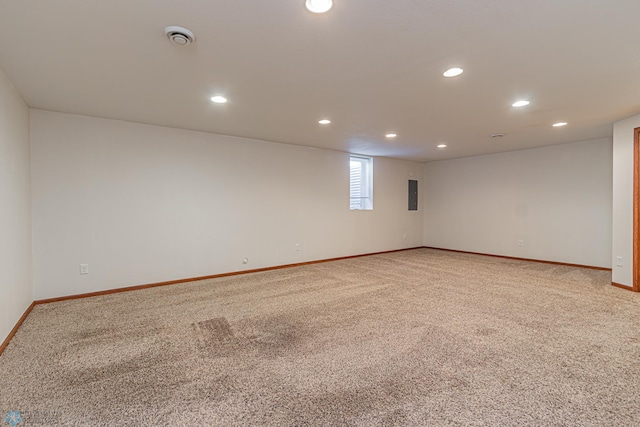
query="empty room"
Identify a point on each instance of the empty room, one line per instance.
(319, 213)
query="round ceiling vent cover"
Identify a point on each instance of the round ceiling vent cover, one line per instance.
(179, 35)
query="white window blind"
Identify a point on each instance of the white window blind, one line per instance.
(360, 183)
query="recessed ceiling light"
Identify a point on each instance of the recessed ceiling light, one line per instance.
(497, 135)
(324, 121)
(520, 103)
(559, 124)
(219, 99)
(318, 6)
(442, 145)
(391, 135)
(452, 72)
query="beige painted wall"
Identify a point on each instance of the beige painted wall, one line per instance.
(622, 242)
(556, 200)
(142, 204)
(15, 208)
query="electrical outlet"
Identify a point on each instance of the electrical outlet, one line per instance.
(84, 268)
(618, 261)
(404, 237)
(297, 247)
(521, 243)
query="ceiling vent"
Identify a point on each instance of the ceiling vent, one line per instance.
(180, 36)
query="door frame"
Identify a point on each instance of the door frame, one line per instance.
(636, 207)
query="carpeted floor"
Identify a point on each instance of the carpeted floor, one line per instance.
(420, 337)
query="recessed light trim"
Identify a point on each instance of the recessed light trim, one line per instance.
(442, 145)
(219, 99)
(453, 72)
(559, 124)
(324, 121)
(521, 103)
(497, 135)
(391, 135)
(318, 6)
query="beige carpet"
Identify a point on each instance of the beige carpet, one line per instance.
(420, 337)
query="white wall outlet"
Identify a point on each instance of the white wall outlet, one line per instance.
(84, 268)
(245, 260)
(404, 237)
(297, 247)
(521, 243)
(618, 261)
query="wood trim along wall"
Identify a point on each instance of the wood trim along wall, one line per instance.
(524, 259)
(636, 216)
(5, 343)
(257, 270)
(625, 287)
(213, 276)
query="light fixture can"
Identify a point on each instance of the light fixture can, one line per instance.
(318, 6)
(453, 72)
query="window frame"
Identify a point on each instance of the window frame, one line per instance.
(363, 202)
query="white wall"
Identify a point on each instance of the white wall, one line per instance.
(15, 208)
(556, 199)
(142, 204)
(622, 243)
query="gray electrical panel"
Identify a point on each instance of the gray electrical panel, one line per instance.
(413, 195)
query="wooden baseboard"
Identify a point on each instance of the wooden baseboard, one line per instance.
(258, 270)
(524, 259)
(173, 282)
(625, 287)
(5, 343)
(213, 276)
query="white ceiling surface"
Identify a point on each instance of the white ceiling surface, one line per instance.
(371, 66)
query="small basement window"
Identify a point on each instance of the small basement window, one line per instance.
(360, 183)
